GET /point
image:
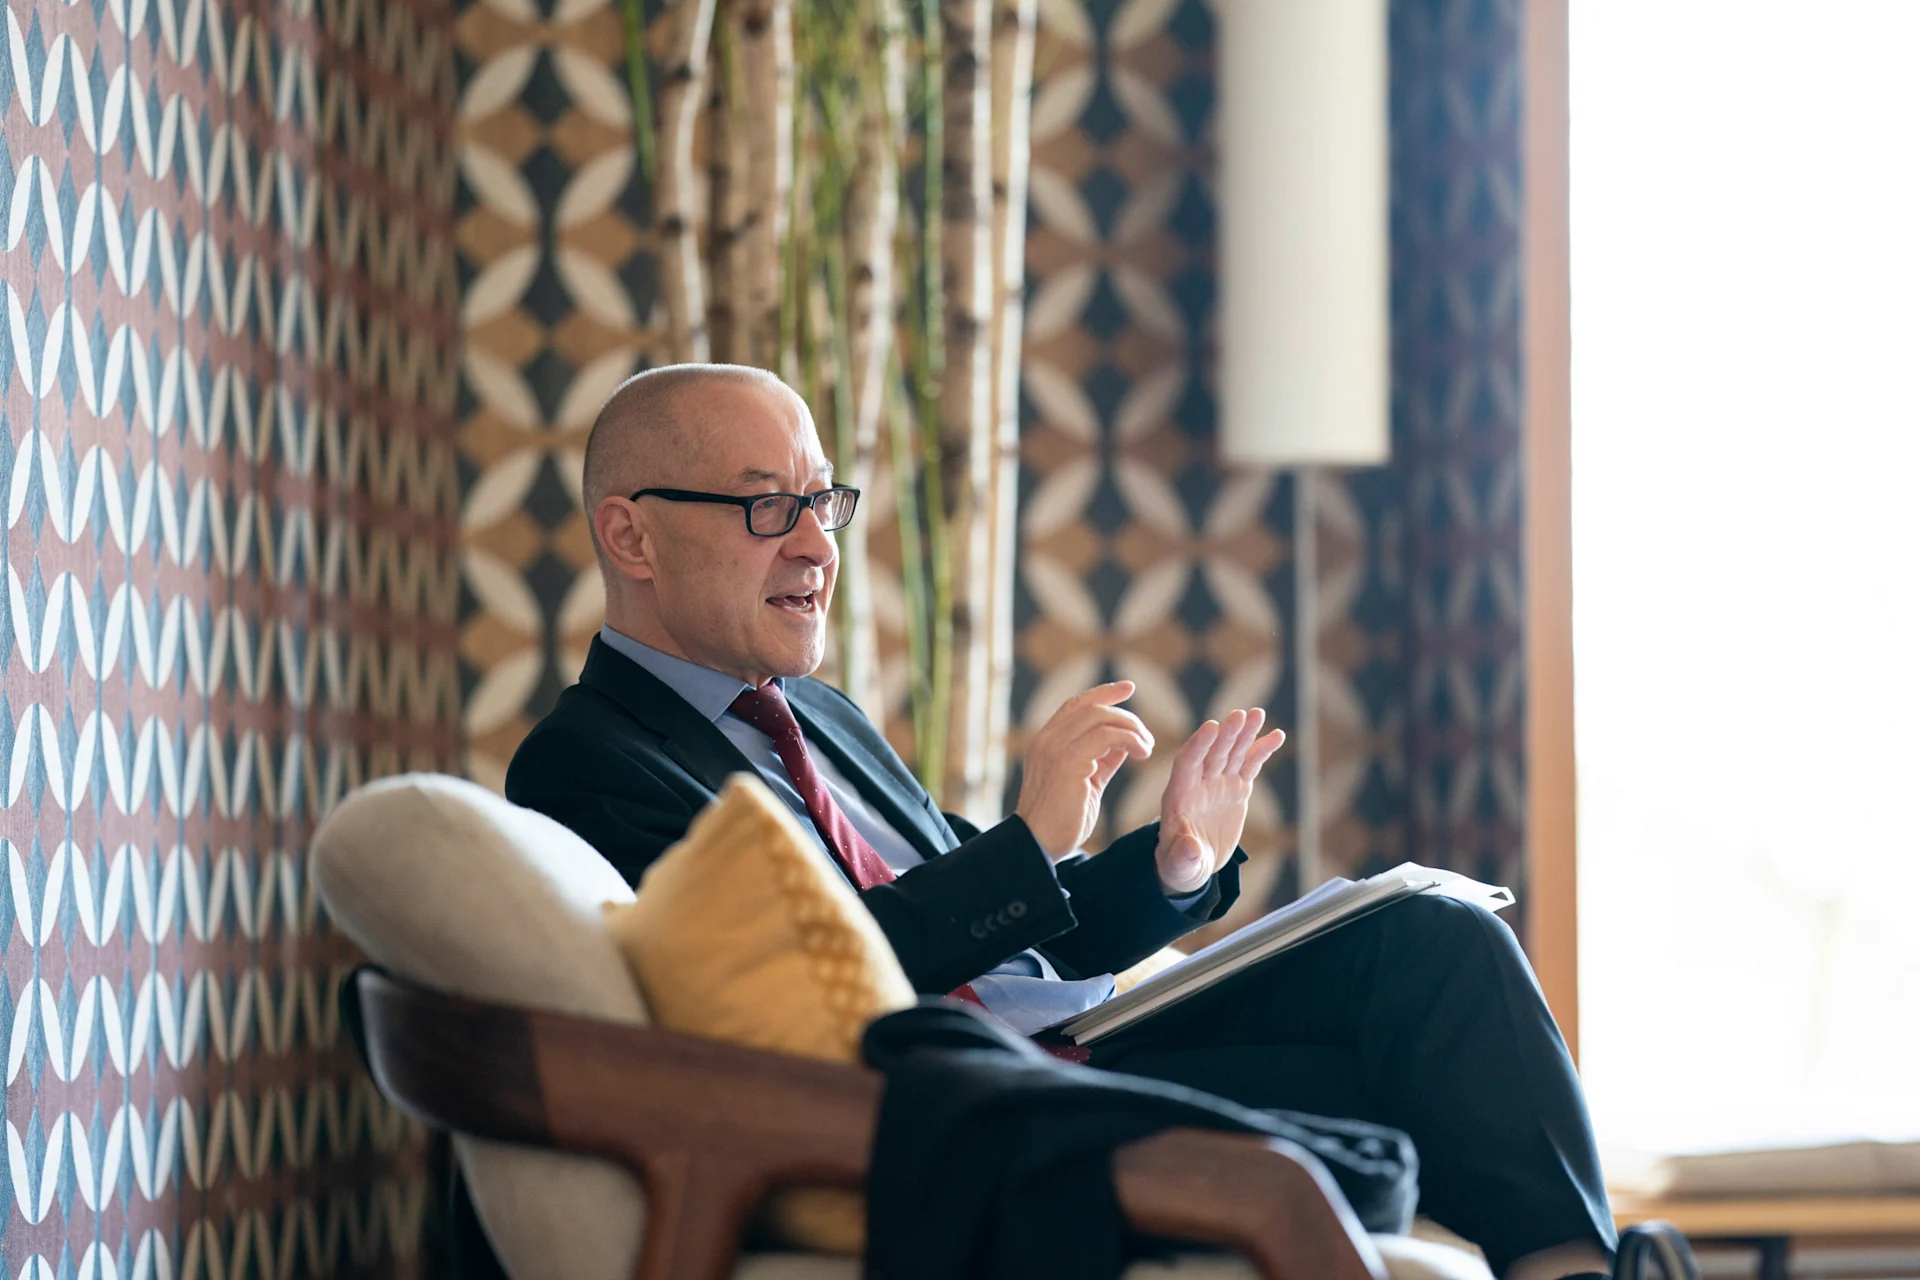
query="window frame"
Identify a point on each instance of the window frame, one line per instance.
(1552, 921)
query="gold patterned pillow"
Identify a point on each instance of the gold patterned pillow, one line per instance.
(743, 931)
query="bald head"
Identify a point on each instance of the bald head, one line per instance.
(654, 428)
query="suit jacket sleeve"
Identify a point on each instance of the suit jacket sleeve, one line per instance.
(1121, 914)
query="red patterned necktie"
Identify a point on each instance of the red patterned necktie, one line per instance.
(766, 709)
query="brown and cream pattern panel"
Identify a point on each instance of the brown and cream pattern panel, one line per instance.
(557, 290)
(1142, 557)
(1145, 557)
(226, 378)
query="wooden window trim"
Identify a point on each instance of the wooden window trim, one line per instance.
(1552, 921)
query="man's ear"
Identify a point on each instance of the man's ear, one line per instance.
(626, 542)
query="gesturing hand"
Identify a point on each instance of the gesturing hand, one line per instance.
(1072, 759)
(1205, 803)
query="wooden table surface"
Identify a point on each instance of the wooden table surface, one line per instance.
(1797, 1216)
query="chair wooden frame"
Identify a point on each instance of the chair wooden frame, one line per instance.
(710, 1127)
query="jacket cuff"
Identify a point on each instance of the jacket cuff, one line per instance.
(954, 917)
(1123, 882)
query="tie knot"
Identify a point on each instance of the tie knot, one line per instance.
(765, 708)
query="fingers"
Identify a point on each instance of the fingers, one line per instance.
(1103, 695)
(1081, 718)
(1092, 705)
(1071, 760)
(1114, 727)
(1090, 756)
(1232, 745)
(1259, 753)
(1186, 765)
(1237, 757)
(1230, 727)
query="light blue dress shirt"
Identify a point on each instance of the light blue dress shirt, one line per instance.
(1025, 992)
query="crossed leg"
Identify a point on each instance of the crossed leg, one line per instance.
(1424, 1016)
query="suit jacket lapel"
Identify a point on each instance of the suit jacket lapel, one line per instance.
(825, 721)
(692, 740)
(698, 746)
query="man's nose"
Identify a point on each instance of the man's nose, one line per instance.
(808, 541)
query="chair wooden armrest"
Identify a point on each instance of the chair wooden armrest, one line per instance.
(710, 1127)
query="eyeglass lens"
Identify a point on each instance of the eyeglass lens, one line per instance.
(777, 513)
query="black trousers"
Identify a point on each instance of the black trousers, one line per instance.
(1424, 1016)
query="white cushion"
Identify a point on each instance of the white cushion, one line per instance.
(447, 884)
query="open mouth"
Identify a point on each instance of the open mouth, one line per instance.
(803, 603)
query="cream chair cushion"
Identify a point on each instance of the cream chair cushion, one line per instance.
(445, 883)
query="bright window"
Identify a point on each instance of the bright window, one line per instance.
(1746, 477)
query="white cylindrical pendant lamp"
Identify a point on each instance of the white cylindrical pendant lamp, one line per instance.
(1303, 259)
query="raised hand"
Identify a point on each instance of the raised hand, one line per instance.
(1072, 759)
(1204, 806)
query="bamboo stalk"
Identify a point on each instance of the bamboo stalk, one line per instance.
(676, 204)
(634, 22)
(766, 62)
(1013, 41)
(903, 445)
(966, 441)
(854, 592)
(930, 729)
(727, 193)
(796, 340)
(873, 216)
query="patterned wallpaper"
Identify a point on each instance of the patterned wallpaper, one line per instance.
(1142, 556)
(227, 379)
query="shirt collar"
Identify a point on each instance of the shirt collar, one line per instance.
(709, 692)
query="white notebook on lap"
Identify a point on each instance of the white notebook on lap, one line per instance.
(1333, 904)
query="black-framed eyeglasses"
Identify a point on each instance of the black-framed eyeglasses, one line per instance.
(772, 515)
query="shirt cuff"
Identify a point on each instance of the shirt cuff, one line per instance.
(1186, 901)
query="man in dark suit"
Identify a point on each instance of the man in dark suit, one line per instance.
(712, 506)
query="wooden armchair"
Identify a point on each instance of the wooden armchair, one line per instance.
(709, 1128)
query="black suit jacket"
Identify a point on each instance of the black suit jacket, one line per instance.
(626, 762)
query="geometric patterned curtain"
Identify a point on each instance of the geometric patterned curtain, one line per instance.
(229, 590)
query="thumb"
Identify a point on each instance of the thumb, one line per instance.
(1187, 851)
(1183, 864)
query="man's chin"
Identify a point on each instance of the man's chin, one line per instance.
(791, 663)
